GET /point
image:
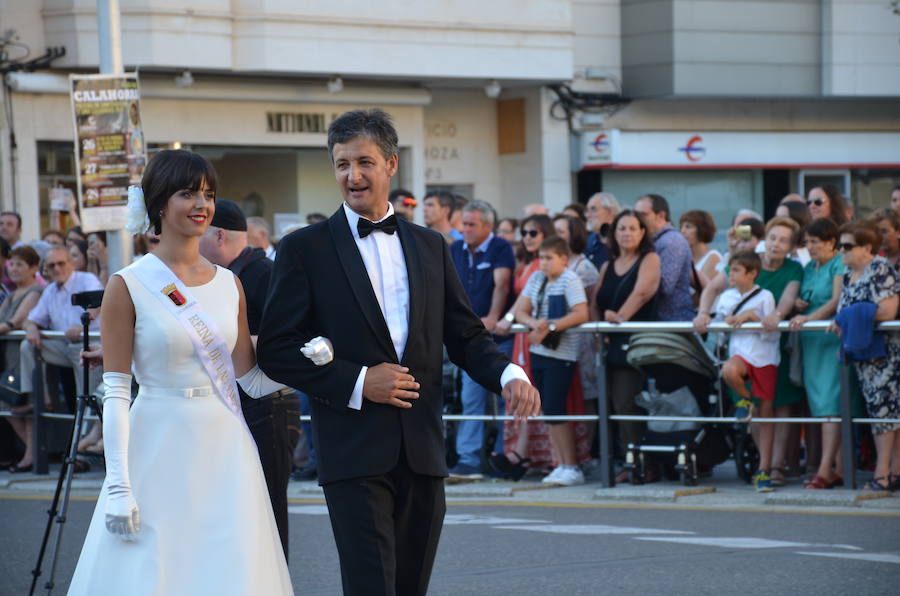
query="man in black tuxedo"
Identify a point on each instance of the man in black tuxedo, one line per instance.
(386, 294)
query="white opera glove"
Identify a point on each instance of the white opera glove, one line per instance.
(122, 515)
(256, 384)
(319, 350)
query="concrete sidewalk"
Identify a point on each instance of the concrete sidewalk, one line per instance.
(723, 490)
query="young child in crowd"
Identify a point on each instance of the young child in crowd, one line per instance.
(554, 300)
(753, 355)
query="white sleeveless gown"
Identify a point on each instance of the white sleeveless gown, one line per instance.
(206, 520)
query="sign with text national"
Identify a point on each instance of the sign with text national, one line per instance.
(745, 150)
(109, 146)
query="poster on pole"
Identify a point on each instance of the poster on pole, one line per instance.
(109, 146)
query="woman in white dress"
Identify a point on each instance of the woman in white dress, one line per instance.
(184, 508)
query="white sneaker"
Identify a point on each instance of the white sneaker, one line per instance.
(551, 478)
(570, 477)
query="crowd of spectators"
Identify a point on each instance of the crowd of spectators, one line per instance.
(601, 261)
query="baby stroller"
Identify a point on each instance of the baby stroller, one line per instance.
(682, 379)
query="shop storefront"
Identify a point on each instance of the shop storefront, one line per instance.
(722, 172)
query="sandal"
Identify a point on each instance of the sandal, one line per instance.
(501, 464)
(818, 482)
(875, 484)
(777, 477)
(895, 482)
(837, 480)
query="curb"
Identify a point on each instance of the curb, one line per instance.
(668, 495)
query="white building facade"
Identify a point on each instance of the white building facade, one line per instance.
(471, 87)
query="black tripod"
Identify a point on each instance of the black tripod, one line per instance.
(57, 511)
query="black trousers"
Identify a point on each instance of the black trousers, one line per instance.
(387, 529)
(275, 425)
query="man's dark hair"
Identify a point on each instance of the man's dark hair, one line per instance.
(14, 214)
(444, 199)
(315, 218)
(168, 172)
(658, 204)
(459, 202)
(747, 259)
(376, 124)
(398, 194)
(4, 248)
(555, 244)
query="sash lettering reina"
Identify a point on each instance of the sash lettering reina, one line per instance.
(215, 356)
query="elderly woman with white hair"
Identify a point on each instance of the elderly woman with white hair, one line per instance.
(602, 208)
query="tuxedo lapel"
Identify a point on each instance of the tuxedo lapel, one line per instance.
(414, 273)
(355, 269)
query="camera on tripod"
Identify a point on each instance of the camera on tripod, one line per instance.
(88, 300)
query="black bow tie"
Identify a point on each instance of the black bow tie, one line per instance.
(366, 227)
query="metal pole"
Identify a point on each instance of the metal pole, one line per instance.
(109, 31)
(847, 442)
(604, 434)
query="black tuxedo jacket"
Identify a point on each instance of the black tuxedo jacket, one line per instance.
(320, 287)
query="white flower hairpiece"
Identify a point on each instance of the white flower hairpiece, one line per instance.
(137, 221)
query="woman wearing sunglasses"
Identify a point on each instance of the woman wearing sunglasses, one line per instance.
(526, 445)
(820, 291)
(827, 201)
(871, 279)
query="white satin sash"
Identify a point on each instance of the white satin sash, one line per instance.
(208, 342)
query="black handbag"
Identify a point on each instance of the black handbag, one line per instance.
(556, 308)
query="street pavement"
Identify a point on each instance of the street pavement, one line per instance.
(520, 538)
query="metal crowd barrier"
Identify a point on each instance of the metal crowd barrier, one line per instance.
(603, 417)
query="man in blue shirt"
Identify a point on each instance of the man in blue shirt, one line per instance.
(485, 264)
(674, 295)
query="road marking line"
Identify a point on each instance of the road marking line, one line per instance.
(743, 542)
(309, 509)
(595, 530)
(873, 557)
(458, 519)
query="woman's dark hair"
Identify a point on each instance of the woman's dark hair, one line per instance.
(865, 233)
(512, 221)
(374, 124)
(82, 247)
(757, 228)
(824, 229)
(27, 254)
(836, 203)
(578, 234)
(887, 214)
(703, 221)
(577, 208)
(799, 212)
(544, 224)
(4, 249)
(76, 230)
(101, 235)
(168, 172)
(646, 245)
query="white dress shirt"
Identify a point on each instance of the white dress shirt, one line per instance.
(382, 255)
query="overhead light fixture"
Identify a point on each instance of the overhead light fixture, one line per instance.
(493, 89)
(335, 85)
(184, 80)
